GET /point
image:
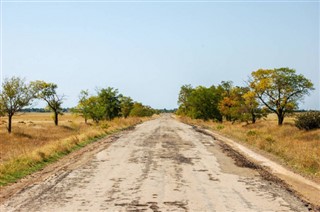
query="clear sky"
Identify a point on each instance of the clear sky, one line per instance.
(148, 50)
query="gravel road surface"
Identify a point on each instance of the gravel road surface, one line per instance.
(161, 165)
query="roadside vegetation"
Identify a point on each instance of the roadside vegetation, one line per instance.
(29, 141)
(297, 149)
(261, 115)
(277, 91)
(108, 104)
(35, 142)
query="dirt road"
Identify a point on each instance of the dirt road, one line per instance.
(162, 165)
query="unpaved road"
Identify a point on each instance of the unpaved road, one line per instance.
(161, 165)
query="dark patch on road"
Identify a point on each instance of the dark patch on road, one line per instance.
(178, 204)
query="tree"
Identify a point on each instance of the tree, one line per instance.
(183, 99)
(279, 90)
(203, 103)
(96, 110)
(140, 110)
(252, 106)
(241, 104)
(232, 104)
(15, 95)
(83, 107)
(109, 98)
(2, 113)
(226, 104)
(126, 104)
(200, 102)
(47, 92)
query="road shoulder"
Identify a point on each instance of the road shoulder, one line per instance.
(302, 187)
(59, 168)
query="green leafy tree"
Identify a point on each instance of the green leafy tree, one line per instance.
(200, 102)
(183, 99)
(15, 95)
(126, 104)
(279, 90)
(47, 92)
(204, 103)
(110, 99)
(96, 110)
(83, 107)
(140, 110)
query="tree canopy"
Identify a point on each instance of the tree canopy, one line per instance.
(280, 90)
(109, 104)
(199, 102)
(48, 93)
(141, 110)
(15, 95)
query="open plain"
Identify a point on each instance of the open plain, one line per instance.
(161, 165)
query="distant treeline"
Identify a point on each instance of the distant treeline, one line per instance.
(267, 91)
(41, 110)
(67, 110)
(16, 96)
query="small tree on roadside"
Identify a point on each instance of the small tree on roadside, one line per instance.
(126, 104)
(252, 106)
(232, 106)
(109, 99)
(140, 110)
(279, 90)
(204, 103)
(47, 92)
(83, 107)
(15, 95)
(96, 110)
(241, 104)
(183, 99)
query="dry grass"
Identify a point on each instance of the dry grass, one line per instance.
(35, 140)
(298, 149)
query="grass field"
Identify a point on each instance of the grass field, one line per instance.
(298, 149)
(35, 140)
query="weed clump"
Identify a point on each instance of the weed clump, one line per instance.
(220, 127)
(252, 133)
(308, 121)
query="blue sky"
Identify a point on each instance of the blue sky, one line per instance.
(148, 50)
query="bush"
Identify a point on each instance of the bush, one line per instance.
(308, 120)
(140, 110)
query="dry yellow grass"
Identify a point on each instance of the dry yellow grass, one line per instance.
(35, 140)
(298, 149)
(34, 130)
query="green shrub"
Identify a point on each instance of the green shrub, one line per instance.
(252, 133)
(220, 127)
(140, 110)
(308, 120)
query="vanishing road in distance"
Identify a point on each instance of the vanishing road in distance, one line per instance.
(161, 165)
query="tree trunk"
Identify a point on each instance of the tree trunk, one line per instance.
(280, 118)
(9, 123)
(253, 117)
(85, 120)
(56, 118)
